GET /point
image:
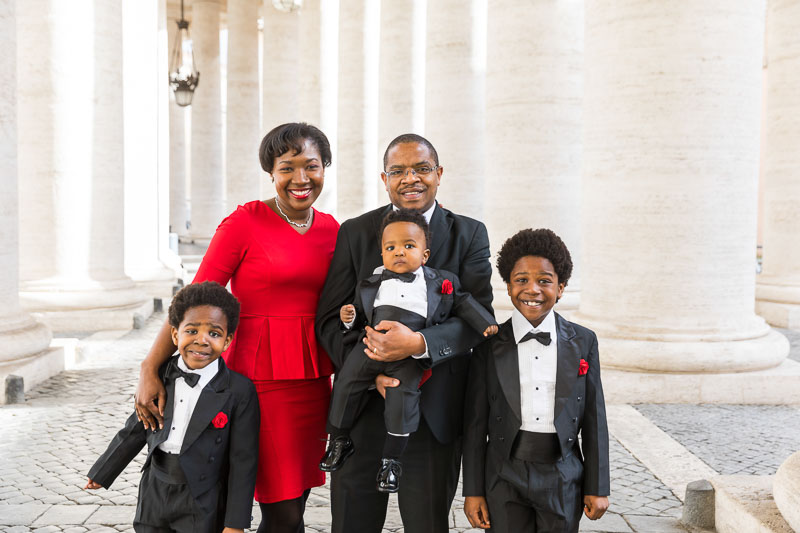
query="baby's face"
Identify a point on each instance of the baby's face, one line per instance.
(202, 335)
(403, 247)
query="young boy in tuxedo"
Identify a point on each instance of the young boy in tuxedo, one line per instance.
(405, 291)
(531, 390)
(200, 471)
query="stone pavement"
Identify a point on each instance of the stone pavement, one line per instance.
(48, 444)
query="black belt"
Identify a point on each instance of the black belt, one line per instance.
(536, 447)
(167, 467)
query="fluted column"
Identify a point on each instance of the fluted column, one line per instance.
(670, 166)
(778, 288)
(308, 47)
(280, 95)
(534, 89)
(71, 166)
(243, 177)
(20, 335)
(401, 73)
(178, 214)
(356, 161)
(455, 100)
(207, 190)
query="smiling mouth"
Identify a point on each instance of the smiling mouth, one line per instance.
(300, 194)
(412, 193)
(531, 303)
(198, 354)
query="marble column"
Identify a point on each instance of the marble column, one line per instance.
(178, 213)
(308, 47)
(534, 90)
(71, 166)
(401, 74)
(243, 176)
(207, 190)
(669, 187)
(778, 287)
(356, 159)
(23, 339)
(146, 202)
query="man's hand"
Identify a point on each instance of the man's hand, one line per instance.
(91, 484)
(392, 341)
(150, 399)
(383, 381)
(595, 506)
(477, 511)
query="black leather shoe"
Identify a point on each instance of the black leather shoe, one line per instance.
(389, 475)
(337, 453)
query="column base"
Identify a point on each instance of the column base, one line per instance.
(786, 490)
(745, 503)
(22, 336)
(34, 369)
(780, 315)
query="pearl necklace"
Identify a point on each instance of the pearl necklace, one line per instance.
(290, 221)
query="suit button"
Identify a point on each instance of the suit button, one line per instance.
(219, 439)
(501, 439)
(499, 418)
(579, 398)
(575, 420)
(569, 439)
(202, 477)
(211, 459)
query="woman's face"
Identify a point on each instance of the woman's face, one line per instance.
(299, 178)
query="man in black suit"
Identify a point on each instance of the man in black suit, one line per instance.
(432, 459)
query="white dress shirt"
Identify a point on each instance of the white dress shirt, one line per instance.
(537, 373)
(184, 400)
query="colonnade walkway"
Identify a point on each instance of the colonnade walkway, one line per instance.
(48, 443)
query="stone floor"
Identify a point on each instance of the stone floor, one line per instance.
(48, 444)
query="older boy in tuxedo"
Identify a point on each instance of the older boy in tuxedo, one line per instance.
(532, 388)
(200, 471)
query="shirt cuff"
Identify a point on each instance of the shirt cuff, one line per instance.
(423, 355)
(349, 325)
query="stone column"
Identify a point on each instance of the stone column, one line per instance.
(71, 166)
(670, 164)
(243, 181)
(534, 90)
(23, 339)
(778, 288)
(178, 214)
(308, 46)
(401, 74)
(207, 195)
(356, 158)
(146, 87)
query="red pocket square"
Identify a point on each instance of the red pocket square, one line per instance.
(583, 368)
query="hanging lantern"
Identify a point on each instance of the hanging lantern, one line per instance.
(183, 75)
(287, 6)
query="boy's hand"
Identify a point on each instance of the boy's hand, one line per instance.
(595, 506)
(91, 484)
(491, 330)
(232, 530)
(477, 511)
(347, 313)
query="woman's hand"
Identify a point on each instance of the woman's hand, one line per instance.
(150, 398)
(477, 511)
(392, 341)
(382, 381)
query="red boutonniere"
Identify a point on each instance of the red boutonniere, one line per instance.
(583, 368)
(220, 420)
(447, 287)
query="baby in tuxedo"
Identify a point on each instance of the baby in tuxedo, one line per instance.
(200, 471)
(532, 388)
(405, 291)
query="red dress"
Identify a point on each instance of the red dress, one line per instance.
(277, 275)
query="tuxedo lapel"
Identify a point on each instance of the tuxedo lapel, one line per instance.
(369, 290)
(161, 436)
(440, 231)
(211, 401)
(434, 294)
(568, 361)
(506, 362)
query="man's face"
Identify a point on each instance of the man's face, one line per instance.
(411, 176)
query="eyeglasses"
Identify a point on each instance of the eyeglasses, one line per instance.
(418, 171)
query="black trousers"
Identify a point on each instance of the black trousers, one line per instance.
(427, 488)
(534, 497)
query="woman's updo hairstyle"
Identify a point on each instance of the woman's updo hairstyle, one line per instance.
(292, 136)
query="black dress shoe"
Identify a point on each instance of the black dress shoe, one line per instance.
(337, 453)
(389, 475)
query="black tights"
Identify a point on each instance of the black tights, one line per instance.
(283, 517)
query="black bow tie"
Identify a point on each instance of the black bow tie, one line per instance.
(173, 373)
(405, 277)
(541, 336)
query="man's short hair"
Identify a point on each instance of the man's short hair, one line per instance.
(410, 138)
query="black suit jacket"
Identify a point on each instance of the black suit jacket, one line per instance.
(493, 410)
(208, 454)
(460, 245)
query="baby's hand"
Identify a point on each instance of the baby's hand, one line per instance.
(347, 313)
(91, 484)
(491, 330)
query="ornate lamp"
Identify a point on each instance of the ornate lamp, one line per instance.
(287, 6)
(183, 75)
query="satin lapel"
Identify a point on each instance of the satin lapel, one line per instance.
(211, 401)
(162, 435)
(369, 289)
(506, 361)
(434, 293)
(568, 362)
(377, 222)
(440, 231)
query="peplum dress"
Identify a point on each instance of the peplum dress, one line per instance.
(277, 274)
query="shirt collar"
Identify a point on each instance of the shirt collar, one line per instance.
(522, 326)
(207, 372)
(427, 214)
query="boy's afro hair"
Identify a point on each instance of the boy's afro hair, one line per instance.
(408, 215)
(205, 293)
(537, 242)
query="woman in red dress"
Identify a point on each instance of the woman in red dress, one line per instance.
(276, 255)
